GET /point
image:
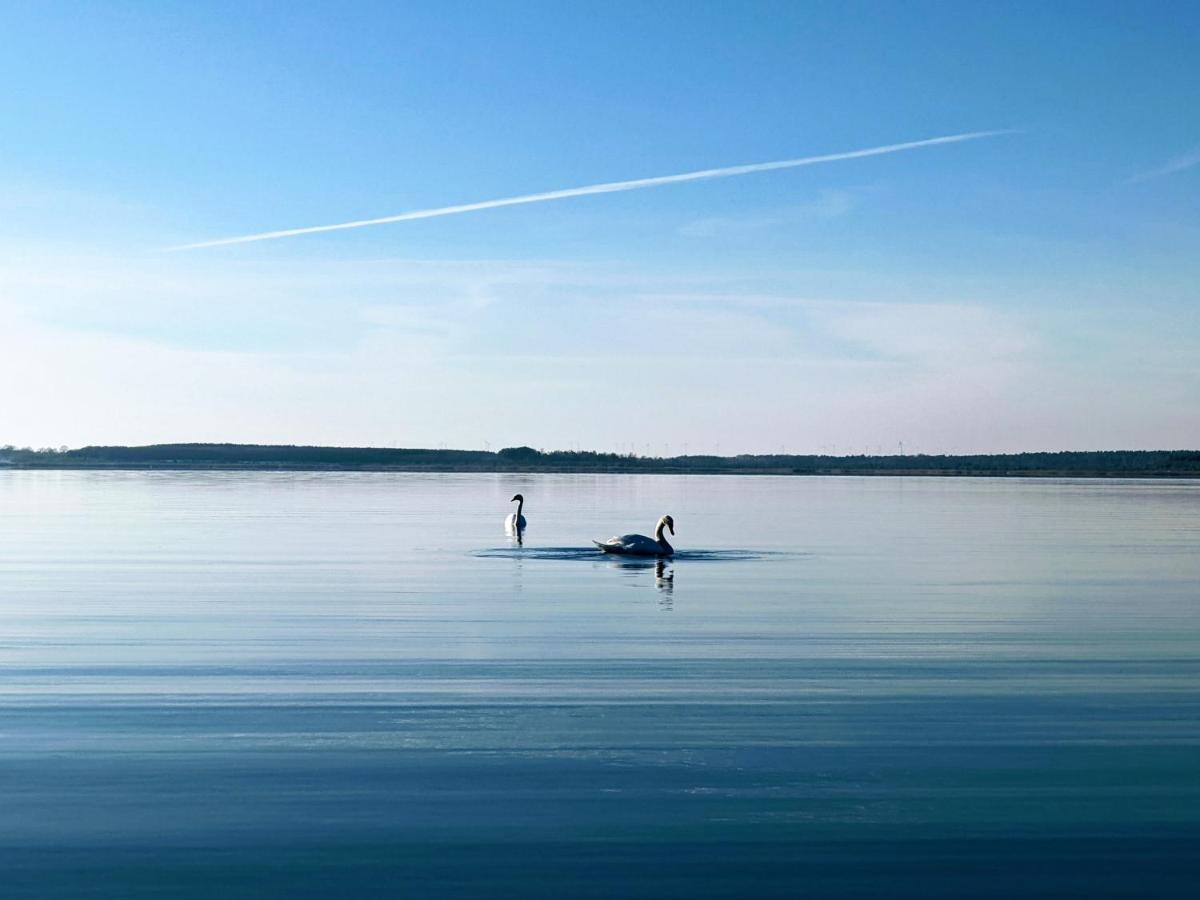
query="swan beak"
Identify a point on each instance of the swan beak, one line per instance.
(671, 525)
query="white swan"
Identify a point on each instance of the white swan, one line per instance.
(639, 544)
(515, 522)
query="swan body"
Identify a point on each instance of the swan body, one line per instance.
(639, 544)
(515, 522)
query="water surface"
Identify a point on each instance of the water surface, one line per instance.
(298, 684)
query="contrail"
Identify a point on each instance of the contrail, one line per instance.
(608, 188)
(1178, 164)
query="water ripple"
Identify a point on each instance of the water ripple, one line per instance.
(592, 554)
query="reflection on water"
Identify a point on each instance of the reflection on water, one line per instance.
(638, 567)
(664, 580)
(283, 681)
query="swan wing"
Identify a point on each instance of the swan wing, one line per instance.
(630, 543)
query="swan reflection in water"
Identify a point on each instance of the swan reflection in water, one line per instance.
(664, 573)
(664, 580)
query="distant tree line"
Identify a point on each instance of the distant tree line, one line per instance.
(1105, 463)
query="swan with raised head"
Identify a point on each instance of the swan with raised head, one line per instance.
(514, 522)
(639, 544)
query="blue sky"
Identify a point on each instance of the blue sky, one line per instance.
(1035, 290)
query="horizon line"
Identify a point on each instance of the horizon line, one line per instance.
(541, 451)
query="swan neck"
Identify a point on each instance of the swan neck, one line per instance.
(661, 538)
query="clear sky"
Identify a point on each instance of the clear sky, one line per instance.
(1034, 290)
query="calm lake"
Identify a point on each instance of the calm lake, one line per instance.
(291, 684)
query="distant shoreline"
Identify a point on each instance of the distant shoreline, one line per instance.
(842, 473)
(1155, 464)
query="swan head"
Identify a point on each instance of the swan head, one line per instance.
(517, 497)
(669, 522)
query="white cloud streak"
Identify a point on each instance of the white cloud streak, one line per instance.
(1178, 164)
(607, 188)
